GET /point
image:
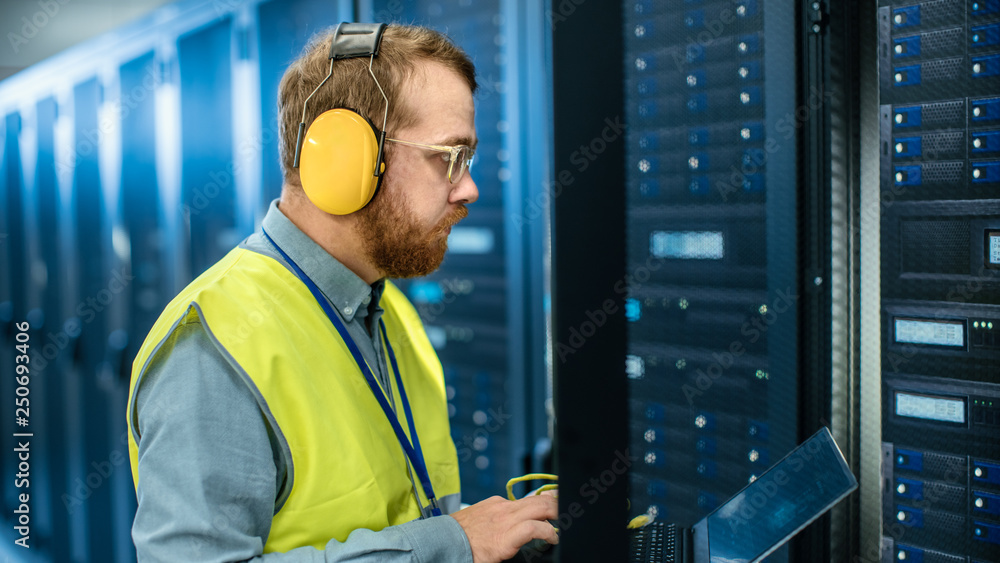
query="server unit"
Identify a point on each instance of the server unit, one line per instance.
(711, 274)
(939, 75)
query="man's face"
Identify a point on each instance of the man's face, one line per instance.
(405, 228)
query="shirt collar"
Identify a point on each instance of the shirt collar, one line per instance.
(342, 287)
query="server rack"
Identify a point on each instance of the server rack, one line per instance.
(711, 178)
(205, 96)
(939, 74)
(735, 113)
(142, 210)
(20, 302)
(92, 197)
(51, 516)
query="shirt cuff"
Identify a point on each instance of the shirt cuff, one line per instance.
(438, 539)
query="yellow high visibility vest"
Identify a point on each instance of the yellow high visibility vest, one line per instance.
(348, 469)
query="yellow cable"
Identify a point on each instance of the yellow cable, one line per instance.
(530, 477)
(637, 522)
(544, 488)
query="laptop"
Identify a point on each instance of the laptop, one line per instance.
(759, 519)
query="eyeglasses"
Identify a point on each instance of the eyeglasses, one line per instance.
(459, 157)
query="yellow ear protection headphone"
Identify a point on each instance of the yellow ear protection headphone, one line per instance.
(340, 159)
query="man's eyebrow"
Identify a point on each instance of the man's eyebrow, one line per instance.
(458, 141)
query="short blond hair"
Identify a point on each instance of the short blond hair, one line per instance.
(350, 85)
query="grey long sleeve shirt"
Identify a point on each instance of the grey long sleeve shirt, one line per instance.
(214, 472)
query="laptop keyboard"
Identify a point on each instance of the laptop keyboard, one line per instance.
(654, 543)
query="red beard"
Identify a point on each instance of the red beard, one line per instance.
(394, 239)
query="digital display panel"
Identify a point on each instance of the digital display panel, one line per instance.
(933, 333)
(686, 245)
(993, 249)
(930, 407)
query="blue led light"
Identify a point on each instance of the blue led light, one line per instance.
(987, 66)
(906, 76)
(986, 110)
(906, 17)
(985, 35)
(904, 47)
(633, 310)
(907, 117)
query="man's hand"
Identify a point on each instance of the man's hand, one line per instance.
(496, 527)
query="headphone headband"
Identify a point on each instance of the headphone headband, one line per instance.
(341, 154)
(350, 40)
(356, 40)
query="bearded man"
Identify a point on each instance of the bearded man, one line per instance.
(287, 405)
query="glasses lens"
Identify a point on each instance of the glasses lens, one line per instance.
(462, 161)
(457, 165)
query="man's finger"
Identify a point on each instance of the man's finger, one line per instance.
(534, 530)
(545, 531)
(538, 507)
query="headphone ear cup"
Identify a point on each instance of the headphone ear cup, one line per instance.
(337, 162)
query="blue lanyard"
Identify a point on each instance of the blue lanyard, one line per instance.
(413, 451)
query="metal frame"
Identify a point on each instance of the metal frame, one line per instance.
(588, 260)
(870, 375)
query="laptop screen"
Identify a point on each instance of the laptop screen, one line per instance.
(791, 494)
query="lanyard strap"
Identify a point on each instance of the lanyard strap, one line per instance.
(406, 404)
(413, 451)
